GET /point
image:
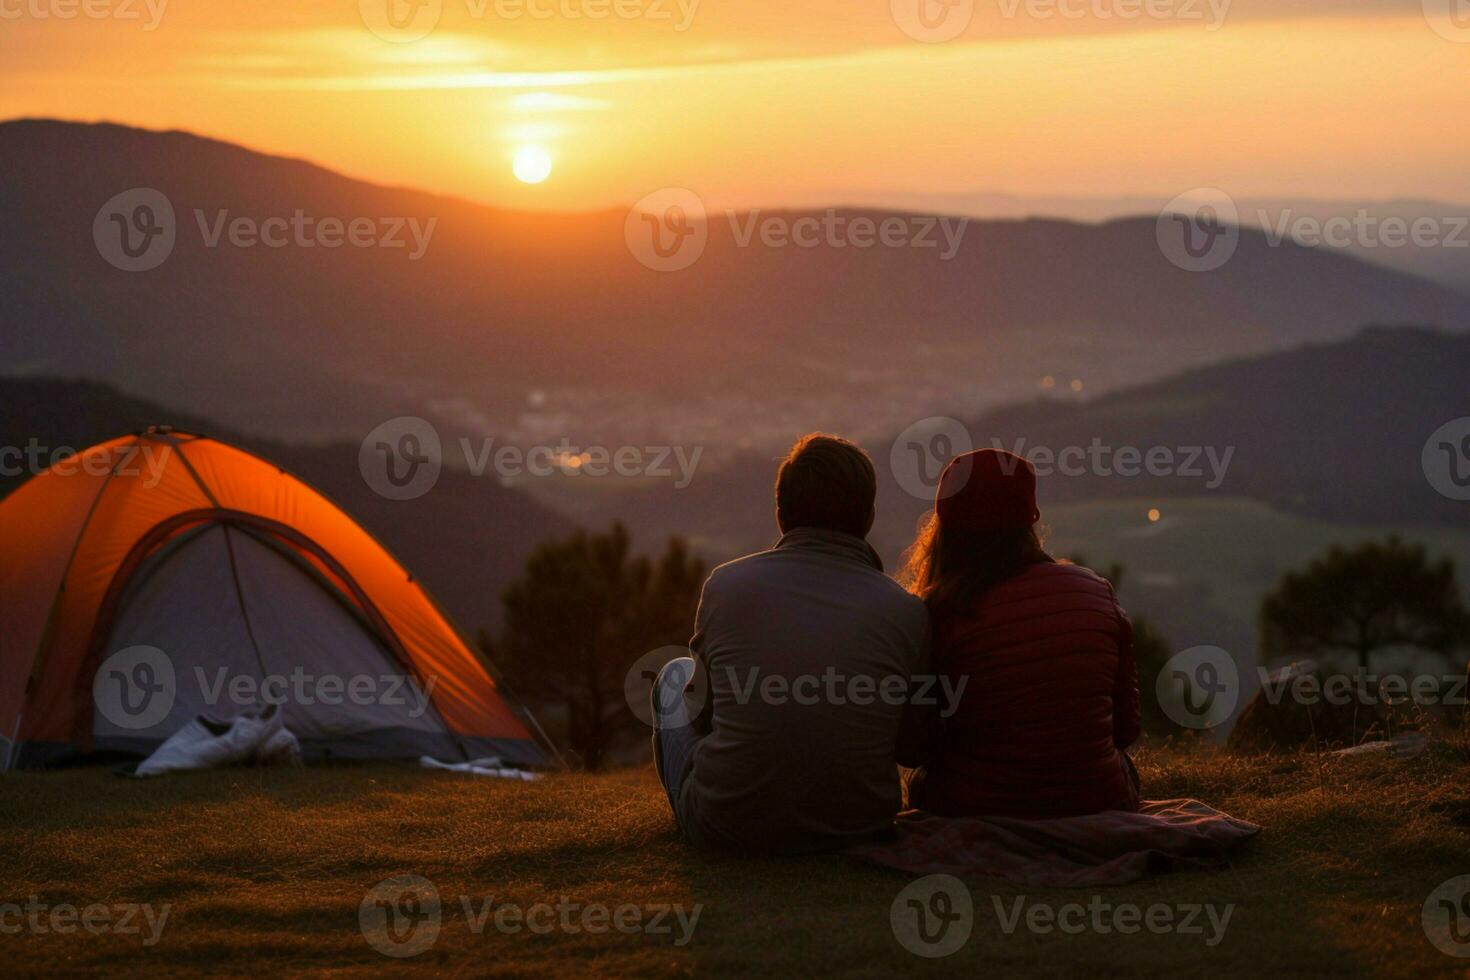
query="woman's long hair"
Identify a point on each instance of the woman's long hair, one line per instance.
(951, 569)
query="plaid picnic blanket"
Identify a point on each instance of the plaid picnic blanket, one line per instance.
(1110, 848)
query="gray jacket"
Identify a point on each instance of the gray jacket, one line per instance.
(804, 655)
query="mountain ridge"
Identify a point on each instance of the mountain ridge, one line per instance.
(520, 323)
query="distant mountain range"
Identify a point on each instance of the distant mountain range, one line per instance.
(541, 326)
(1443, 257)
(465, 541)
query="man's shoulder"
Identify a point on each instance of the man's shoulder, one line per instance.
(767, 566)
(739, 570)
(744, 565)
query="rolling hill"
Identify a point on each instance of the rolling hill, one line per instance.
(524, 323)
(1330, 431)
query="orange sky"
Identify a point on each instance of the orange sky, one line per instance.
(768, 102)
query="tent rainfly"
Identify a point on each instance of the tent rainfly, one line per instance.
(162, 576)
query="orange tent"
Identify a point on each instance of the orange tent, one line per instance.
(161, 576)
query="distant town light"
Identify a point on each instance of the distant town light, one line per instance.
(1048, 382)
(1076, 384)
(1153, 515)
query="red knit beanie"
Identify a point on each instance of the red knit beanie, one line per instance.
(987, 490)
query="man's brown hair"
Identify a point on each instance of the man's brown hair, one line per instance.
(826, 482)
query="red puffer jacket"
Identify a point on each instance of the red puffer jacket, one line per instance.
(1049, 704)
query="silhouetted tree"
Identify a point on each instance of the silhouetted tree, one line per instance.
(1357, 601)
(583, 612)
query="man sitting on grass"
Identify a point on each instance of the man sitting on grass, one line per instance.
(782, 733)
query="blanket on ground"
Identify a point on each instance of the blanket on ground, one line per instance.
(1110, 848)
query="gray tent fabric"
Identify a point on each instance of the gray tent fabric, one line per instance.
(243, 625)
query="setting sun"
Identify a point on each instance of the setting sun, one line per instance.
(532, 165)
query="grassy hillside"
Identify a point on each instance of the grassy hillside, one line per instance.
(266, 871)
(1199, 573)
(1201, 570)
(1332, 431)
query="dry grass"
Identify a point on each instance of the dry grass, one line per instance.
(263, 873)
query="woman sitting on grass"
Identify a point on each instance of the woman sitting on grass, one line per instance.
(1050, 695)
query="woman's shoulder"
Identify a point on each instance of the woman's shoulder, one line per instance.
(1050, 576)
(1044, 587)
